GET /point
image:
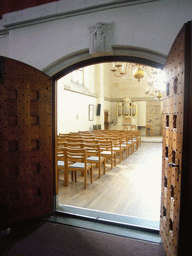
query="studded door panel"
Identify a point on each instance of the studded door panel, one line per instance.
(25, 141)
(172, 145)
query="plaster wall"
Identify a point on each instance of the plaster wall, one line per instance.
(28, 38)
(73, 111)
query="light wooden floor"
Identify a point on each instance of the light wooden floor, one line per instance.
(132, 188)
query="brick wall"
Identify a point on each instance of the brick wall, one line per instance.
(154, 116)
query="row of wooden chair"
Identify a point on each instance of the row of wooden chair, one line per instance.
(73, 158)
(79, 151)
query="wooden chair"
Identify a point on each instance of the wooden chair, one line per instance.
(135, 139)
(61, 142)
(124, 139)
(119, 145)
(139, 137)
(130, 141)
(94, 156)
(107, 150)
(60, 154)
(149, 130)
(116, 142)
(63, 135)
(78, 157)
(60, 160)
(125, 144)
(75, 140)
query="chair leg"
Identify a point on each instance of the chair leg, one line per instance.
(75, 176)
(91, 174)
(100, 170)
(85, 178)
(115, 160)
(120, 159)
(111, 163)
(73, 173)
(104, 163)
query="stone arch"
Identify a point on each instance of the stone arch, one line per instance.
(81, 58)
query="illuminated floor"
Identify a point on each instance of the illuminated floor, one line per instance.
(132, 188)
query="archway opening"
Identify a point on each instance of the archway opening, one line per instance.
(75, 117)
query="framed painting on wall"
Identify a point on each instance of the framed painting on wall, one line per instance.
(91, 112)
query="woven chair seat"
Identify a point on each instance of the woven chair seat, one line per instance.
(78, 165)
(116, 148)
(106, 152)
(93, 158)
(60, 163)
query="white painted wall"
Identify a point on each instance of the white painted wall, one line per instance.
(152, 25)
(72, 111)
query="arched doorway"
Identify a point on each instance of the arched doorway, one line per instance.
(105, 59)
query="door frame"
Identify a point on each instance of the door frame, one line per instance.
(90, 61)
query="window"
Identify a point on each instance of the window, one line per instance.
(77, 76)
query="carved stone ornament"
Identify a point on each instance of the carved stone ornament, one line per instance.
(101, 36)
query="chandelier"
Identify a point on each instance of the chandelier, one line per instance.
(123, 70)
(155, 76)
(156, 83)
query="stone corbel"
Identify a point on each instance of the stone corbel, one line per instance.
(101, 38)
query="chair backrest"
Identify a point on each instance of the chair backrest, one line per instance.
(135, 134)
(92, 149)
(75, 155)
(89, 140)
(75, 140)
(74, 133)
(63, 135)
(84, 132)
(87, 136)
(75, 144)
(105, 144)
(116, 139)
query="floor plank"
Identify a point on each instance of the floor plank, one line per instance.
(132, 188)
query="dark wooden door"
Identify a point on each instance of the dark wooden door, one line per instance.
(26, 157)
(177, 147)
(106, 121)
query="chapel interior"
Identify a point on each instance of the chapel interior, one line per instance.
(103, 86)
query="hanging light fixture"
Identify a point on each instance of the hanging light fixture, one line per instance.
(138, 73)
(155, 76)
(120, 69)
(156, 82)
(159, 95)
(123, 70)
